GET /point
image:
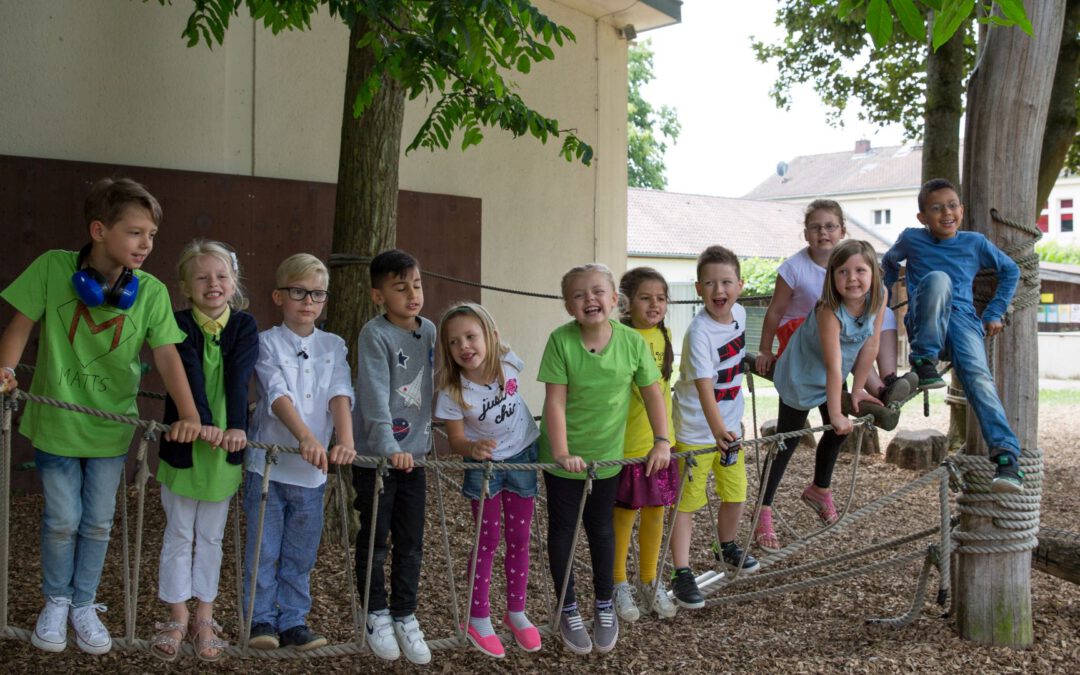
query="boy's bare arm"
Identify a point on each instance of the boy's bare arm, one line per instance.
(12, 344)
(187, 428)
(311, 449)
(709, 407)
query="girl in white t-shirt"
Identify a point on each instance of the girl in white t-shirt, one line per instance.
(799, 281)
(488, 420)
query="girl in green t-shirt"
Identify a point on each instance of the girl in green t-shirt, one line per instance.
(198, 479)
(588, 367)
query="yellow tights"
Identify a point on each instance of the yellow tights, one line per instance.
(650, 533)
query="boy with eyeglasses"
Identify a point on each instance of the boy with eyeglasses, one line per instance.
(305, 395)
(941, 321)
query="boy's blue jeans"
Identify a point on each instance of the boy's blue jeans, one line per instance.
(80, 500)
(936, 332)
(290, 543)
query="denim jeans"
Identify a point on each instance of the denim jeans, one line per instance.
(80, 499)
(292, 527)
(400, 518)
(521, 483)
(937, 332)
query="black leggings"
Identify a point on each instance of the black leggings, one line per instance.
(563, 497)
(828, 449)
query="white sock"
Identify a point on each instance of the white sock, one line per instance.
(482, 625)
(519, 620)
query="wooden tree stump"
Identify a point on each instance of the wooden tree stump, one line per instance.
(871, 441)
(768, 428)
(919, 450)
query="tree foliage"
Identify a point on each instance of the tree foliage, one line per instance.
(463, 51)
(649, 129)
(832, 51)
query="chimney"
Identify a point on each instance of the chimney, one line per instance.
(862, 146)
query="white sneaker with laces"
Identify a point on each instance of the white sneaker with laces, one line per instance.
(380, 636)
(661, 603)
(91, 635)
(50, 634)
(411, 639)
(624, 602)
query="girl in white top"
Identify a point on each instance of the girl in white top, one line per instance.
(487, 420)
(799, 281)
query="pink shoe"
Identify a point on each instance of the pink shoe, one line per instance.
(490, 645)
(822, 504)
(764, 535)
(527, 638)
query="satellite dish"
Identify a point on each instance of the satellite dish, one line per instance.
(781, 169)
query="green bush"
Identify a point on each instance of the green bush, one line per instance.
(1056, 252)
(759, 275)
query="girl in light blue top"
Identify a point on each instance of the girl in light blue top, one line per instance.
(840, 335)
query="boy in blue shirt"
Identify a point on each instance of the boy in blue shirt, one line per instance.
(941, 321)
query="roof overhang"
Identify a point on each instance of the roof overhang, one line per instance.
(643, 15)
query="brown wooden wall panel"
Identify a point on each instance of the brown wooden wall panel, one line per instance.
(264, 219)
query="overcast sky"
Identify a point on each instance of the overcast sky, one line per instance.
(732, 133)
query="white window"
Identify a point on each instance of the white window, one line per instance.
(1066, 215)
(882, 217)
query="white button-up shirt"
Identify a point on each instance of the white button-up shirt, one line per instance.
(310, 371)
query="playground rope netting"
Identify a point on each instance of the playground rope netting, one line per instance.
(1016, 520)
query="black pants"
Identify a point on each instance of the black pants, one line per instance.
(401, 516)
(563, 497)
(828, 449)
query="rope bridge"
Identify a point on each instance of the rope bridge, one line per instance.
(1017, 515)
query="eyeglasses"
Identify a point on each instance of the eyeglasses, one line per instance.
(299, 294)
(938, 209)
(830, 227)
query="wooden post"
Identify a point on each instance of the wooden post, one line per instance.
(1008, 99)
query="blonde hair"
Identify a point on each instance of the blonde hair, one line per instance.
(587, 268)
(448, 374)
(830, 296)
(300, 266)
(223, 252)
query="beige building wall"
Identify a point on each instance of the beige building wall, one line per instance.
(112, 81)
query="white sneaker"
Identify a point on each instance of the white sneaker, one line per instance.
(624, 602)
(91, 635)
(380, 636)
(411, 639)
(661, 603)
(50, 635)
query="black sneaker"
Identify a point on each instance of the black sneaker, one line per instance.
(730, 554)
(302, 638)
(263, 636)
(685, 588)
(929, 377)
(1007, 477)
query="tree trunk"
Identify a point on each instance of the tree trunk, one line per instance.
(365, 217)
(1008, 98)
(1061, 119)
(941, 157)
(944, 108)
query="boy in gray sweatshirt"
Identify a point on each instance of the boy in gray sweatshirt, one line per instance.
(392, 420)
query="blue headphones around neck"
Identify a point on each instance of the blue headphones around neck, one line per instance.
(93, 289)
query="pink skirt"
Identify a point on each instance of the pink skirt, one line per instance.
(637, 490)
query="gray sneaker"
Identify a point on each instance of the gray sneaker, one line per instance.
(574, 635)
(605, 629)
(624, 602)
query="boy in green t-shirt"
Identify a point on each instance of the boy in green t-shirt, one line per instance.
(96, 309)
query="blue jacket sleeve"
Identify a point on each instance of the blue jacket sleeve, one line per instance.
(1008, 275)
(890, 263)
(238, 369)
(190, 351)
